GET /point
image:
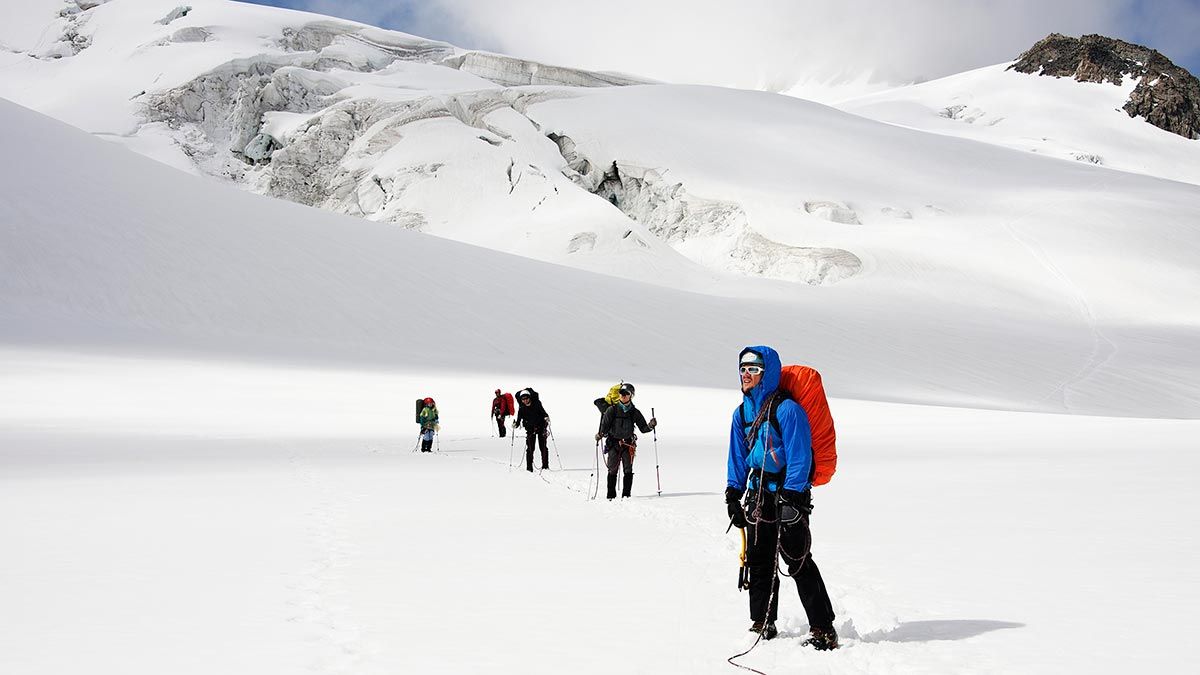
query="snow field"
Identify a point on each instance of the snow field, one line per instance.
(205, 395)
(1054, 117)
(275, 518)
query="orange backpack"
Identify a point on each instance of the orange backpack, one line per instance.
(803, 385)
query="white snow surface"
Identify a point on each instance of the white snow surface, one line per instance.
(944, 270)
(1049, 116)
(205, 441)
(196, 516)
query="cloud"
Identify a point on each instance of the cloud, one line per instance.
(774, 44)
(1171, 27)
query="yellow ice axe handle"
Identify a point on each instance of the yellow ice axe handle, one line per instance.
(743, 576)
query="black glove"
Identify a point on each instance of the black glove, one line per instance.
(733, 503)
(652, 423)
(598, 437)
(794, 506)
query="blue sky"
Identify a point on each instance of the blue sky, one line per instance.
(772, 43)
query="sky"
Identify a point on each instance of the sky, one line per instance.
(776, 44)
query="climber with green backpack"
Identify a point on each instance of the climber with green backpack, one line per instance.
(427, 417)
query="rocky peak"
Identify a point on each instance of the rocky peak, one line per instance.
(1166, 96)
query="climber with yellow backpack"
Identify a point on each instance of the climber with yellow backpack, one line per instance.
(610, 399)
(619, 424)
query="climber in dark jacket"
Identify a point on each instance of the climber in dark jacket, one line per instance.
(618, 425)
(536, 422)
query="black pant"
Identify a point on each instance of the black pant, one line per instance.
(794, 545)
(619, 455)
(540, 436)
(500, 425)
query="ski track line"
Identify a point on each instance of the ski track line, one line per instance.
(1103, 349)
(324, 619)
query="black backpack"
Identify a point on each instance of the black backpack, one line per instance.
(533, 396)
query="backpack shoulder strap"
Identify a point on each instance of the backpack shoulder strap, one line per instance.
(812, 469)
(774, 413)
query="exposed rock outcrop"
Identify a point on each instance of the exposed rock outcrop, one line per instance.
(1166, 95)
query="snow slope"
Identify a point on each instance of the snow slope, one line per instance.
(1054, 117)
(1025, 282)
(950, 228)
(342, 93)
(218, 270)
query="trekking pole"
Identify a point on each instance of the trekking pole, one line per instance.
(555, 444)
(418, 443)
(513, 444)
(657, 474)
(596, 473)
(587, 494)
(437, 438)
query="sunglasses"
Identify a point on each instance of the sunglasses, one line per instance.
(751, 370)
(625, 393)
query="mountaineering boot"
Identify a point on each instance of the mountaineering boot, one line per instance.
(822, 639)
(612, 486)
(767, 629)
(545, 459)
(627, 485)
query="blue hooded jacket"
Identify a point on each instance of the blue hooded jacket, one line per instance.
(768, 452)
